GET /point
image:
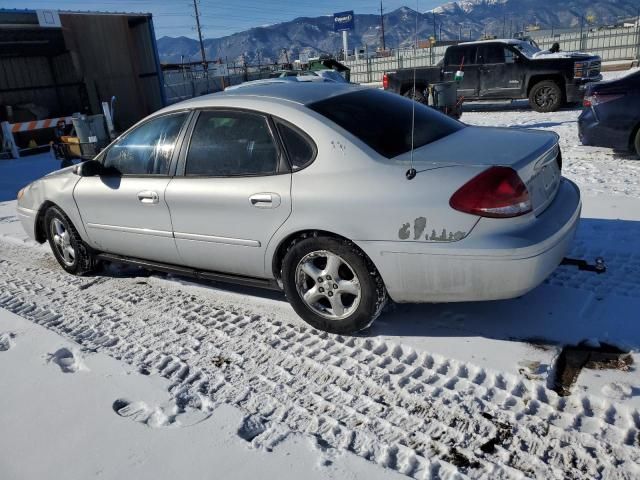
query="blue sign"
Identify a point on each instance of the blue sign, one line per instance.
(343, 21)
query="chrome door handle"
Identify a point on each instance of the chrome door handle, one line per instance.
(148, 197)
(265, 200)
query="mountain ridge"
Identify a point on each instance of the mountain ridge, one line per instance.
(466, 18)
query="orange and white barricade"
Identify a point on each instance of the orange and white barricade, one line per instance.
(8, 129)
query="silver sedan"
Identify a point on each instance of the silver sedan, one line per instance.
(341, 196)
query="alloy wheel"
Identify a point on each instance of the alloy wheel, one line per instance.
(328, 285)
(545, 97)
(62, 241)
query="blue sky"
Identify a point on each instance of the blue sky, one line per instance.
(220, 18)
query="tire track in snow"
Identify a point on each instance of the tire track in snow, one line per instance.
(407, 410)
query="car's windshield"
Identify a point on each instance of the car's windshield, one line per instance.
(526, 48)
(383, 120)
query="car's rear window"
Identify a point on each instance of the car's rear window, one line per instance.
(382, 120)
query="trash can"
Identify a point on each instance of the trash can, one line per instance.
(445, 94)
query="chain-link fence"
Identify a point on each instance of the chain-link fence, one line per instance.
(611, 44)
(188, 83)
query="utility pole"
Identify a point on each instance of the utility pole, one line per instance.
(382, 27)
(204, 58)
(434, 25)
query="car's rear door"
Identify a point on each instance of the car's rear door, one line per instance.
(124, 209)
(463, 57)
(232, 192)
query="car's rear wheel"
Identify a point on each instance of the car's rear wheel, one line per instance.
(416, 94)
(636, 142)
(332, 285)
(70, 251)
(545, 96)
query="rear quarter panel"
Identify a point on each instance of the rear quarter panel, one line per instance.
(351, 191)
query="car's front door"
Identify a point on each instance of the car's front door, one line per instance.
(124, 209)
(231, 194)
(499, 72)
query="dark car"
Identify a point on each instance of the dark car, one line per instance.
(611, 115)
(504, 70)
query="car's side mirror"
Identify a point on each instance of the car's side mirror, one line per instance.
(89, 168)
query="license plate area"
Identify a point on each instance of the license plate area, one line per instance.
(544, 184)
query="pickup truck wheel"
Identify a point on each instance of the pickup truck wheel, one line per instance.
(332, 285)
(418, 96)
(545, 96)
(70, 251)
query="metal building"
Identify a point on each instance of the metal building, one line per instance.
(54, 64)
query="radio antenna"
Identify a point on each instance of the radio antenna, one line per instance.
(411, 173)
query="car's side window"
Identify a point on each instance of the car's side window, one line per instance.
(299, 146)
(461, 56)
(491, 54)
(228, 143)
(148, 149)
(509, 56)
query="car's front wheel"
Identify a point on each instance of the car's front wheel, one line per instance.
(545, 96)
(636, 142)
(332, 285)
(70, 251)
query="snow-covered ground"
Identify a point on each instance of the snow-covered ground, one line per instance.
(138, 376)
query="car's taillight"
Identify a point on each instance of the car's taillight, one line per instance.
(497, 192)
(385, 81)
(595, 99)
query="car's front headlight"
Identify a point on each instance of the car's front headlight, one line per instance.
(21, 192)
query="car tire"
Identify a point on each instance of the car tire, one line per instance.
(70, 251)
(545, 96)
(332, 285)
(418, 96)
(636, 142)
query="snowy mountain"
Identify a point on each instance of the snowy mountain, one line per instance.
(471, 18)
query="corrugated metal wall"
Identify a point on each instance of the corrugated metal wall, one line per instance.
(116, 56)
(92, 58)
(51, 82)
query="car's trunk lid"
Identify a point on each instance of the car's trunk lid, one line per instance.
(535, 155)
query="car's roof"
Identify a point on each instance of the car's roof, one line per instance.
(507, 41)
(303, 93)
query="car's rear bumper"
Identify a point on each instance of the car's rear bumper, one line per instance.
(28, 220)
(492, 263)
(595, 133)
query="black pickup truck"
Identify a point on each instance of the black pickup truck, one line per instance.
(504, 70)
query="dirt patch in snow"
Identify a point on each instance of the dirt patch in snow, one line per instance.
(573, 358)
